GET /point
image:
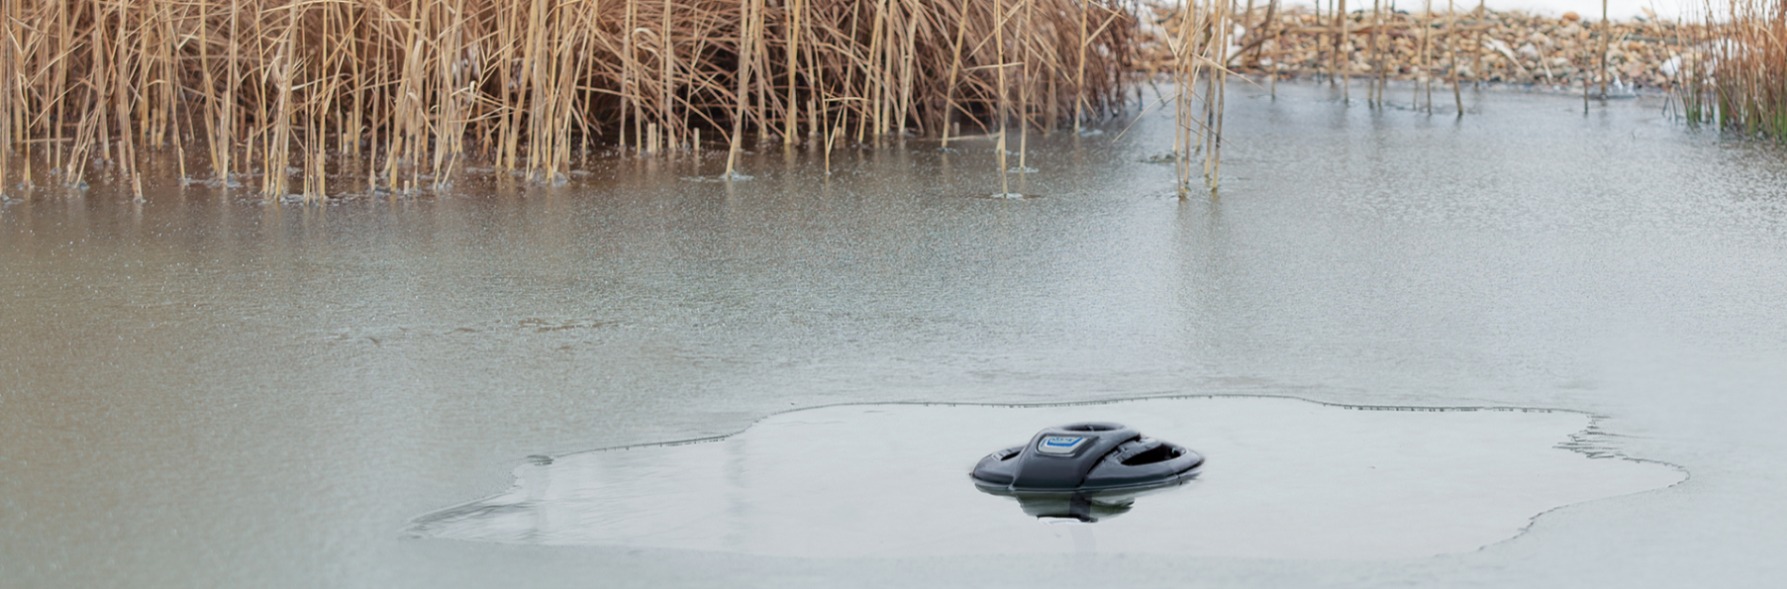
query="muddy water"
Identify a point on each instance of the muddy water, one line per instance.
(202, 390)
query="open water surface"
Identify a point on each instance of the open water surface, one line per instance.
(206, 390)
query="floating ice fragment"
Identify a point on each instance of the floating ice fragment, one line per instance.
(1288, 479)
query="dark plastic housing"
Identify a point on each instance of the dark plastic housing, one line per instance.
(1086, 457)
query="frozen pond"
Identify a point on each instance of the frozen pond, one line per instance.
(1293, 479)
(203, 390)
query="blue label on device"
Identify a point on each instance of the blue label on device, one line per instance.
(1059, 444)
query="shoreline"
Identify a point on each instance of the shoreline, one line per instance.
(1510, 47)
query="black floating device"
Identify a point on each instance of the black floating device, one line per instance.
(1086, 463)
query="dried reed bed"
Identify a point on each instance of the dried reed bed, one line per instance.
(400, 93)
(1738, 76)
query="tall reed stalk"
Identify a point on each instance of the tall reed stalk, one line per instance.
(11, 68)
(1199, 68)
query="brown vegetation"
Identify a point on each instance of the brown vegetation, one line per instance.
(408, 89)
(1739, 79)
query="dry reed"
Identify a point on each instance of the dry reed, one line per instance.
(403, 90)
(1737, 77)
(1200, 41)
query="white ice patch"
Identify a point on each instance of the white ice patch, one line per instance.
(1284, 479)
